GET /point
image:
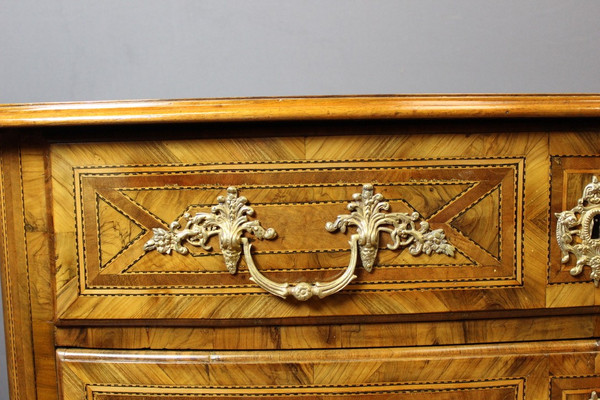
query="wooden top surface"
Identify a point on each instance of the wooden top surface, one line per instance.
(300, 108)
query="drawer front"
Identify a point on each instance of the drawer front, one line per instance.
(464, 372)
(574, 274)
(479, 190)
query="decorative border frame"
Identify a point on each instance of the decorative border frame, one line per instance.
(437, 163)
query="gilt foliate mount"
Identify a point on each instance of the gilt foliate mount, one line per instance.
(368, 213)
(367, 216)
(228, 219)
(578, 232)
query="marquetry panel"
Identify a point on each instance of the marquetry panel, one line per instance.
(107, 200)
(118, 207)
(90, 314)
(574, 160)
(570, 174)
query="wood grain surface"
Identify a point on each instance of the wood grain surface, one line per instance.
(83, 184)
(334, 336)
(303, 108)
(471, 186)
(511, 371)
(16, 276)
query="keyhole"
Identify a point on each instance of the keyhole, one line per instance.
(596, 227)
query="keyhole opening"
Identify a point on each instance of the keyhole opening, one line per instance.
(596, 227)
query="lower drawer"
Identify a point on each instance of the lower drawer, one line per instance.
(491, 372)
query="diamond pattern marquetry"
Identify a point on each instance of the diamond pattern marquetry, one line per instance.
(484, 212)
(117, 200)
(116, 231)
(123, 218)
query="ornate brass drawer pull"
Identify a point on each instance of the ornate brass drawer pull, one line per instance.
(583, 220)
(229, 219)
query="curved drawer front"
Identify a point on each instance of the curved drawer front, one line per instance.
(515, 371)
(111, 200)
(573, 264)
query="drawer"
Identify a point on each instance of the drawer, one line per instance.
(486, 193)
(510, 371)
(480, 200)
(574, 268)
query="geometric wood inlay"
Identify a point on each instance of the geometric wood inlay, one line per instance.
(297, 200)
(485, 212)
(570, 174)
(477, 199)
(116, 231)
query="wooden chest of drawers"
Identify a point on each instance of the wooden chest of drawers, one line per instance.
(424, 247)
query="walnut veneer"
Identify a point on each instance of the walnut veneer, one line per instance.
(93, 312)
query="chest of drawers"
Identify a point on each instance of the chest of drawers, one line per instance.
(403, 247)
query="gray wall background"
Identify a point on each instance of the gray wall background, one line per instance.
(64, 50)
